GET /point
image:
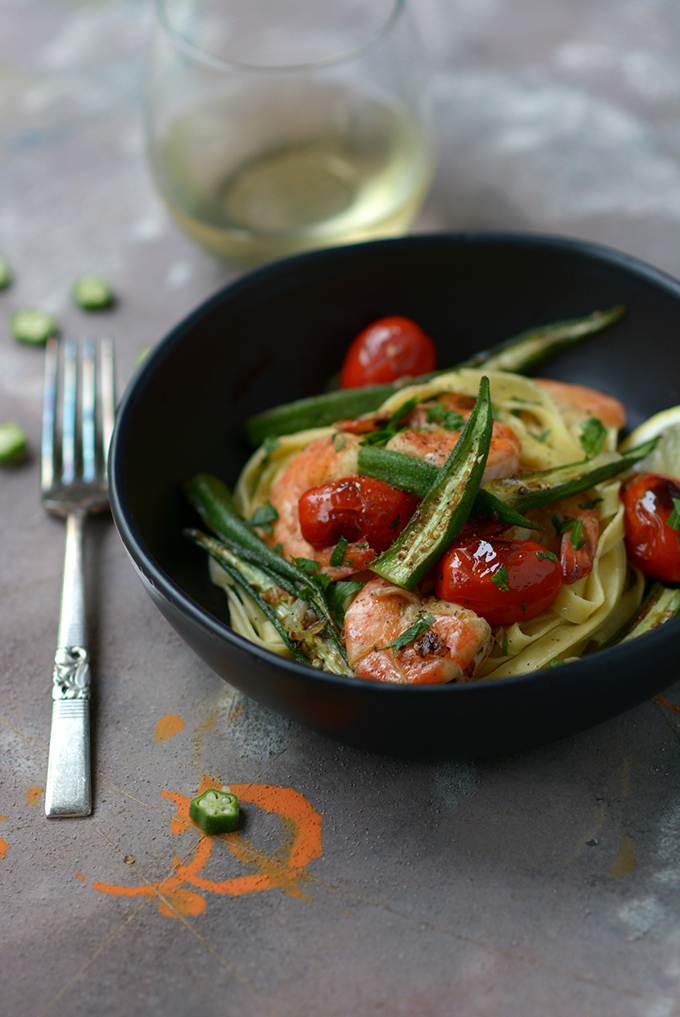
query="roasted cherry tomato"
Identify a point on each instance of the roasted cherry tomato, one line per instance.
(651, 543)
(357, 508)
(388, 349)
(504, 581)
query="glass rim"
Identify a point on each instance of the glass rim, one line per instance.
(222, 63)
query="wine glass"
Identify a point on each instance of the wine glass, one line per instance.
(277, 126)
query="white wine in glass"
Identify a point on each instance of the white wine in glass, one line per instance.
(257, 164)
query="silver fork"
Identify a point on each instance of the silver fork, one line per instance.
(78, 413)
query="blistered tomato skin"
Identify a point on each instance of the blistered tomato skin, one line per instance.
(389, 349)
(652, 544)
(504, 581)
(357, 508)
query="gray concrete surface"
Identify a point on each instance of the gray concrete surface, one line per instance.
(547, 883)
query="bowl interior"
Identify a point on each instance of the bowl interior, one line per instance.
(280, 333)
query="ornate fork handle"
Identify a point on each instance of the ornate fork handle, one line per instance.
(68, 791)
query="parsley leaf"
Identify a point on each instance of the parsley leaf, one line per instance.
(338, 553)
(576, 527)
(323, 580)
(340, 441)
(308, 565)
(592, 437)
(543, 436)
(674, 518)
(271, 443)
(546, 554)
(337, 595)
(394, 424)
(419, 627)
(264, 516)
(451, 420)
(500, 578)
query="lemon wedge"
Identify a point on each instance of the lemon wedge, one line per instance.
(666, 456)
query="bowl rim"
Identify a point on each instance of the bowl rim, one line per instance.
(154, 576)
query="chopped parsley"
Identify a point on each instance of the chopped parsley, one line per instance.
(337, 595)
(449, 419)
(674, 518)
(543, 436)
(264, 516)
(338, 553)
(340, 441)
(576, 528)
(592, 437)
(270, 444)
(546, 554)
(308, 565)
(419, 627)
(392, 426)
(500, 578)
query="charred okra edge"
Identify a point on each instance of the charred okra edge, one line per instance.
(660, 605)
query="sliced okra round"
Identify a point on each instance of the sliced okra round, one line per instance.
(92, 293)
(12, 442)
(215, 811)
(33, 326)
(5, 273)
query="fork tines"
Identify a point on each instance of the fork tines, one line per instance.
(76, 428)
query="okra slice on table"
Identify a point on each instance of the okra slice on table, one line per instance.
(519, 354)
(12, 442)
(33, 326)
(92, 293)
(446, 506)
(215, 811)
(5, 273)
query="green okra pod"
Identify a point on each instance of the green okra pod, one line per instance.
(214, 503)
(660, 605)
(530, 349)
(250, 579)
(519, 354)
(447, 504)
(416, 476)
(542, 487)
(519, 492)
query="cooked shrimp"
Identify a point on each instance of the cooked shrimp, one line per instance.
(450, 649)
(576, 526)
(324, 459)
(426, 438)
(331, 458)
(577, 403)
(578, 543)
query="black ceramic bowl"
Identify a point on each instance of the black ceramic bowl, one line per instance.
(279, 334)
